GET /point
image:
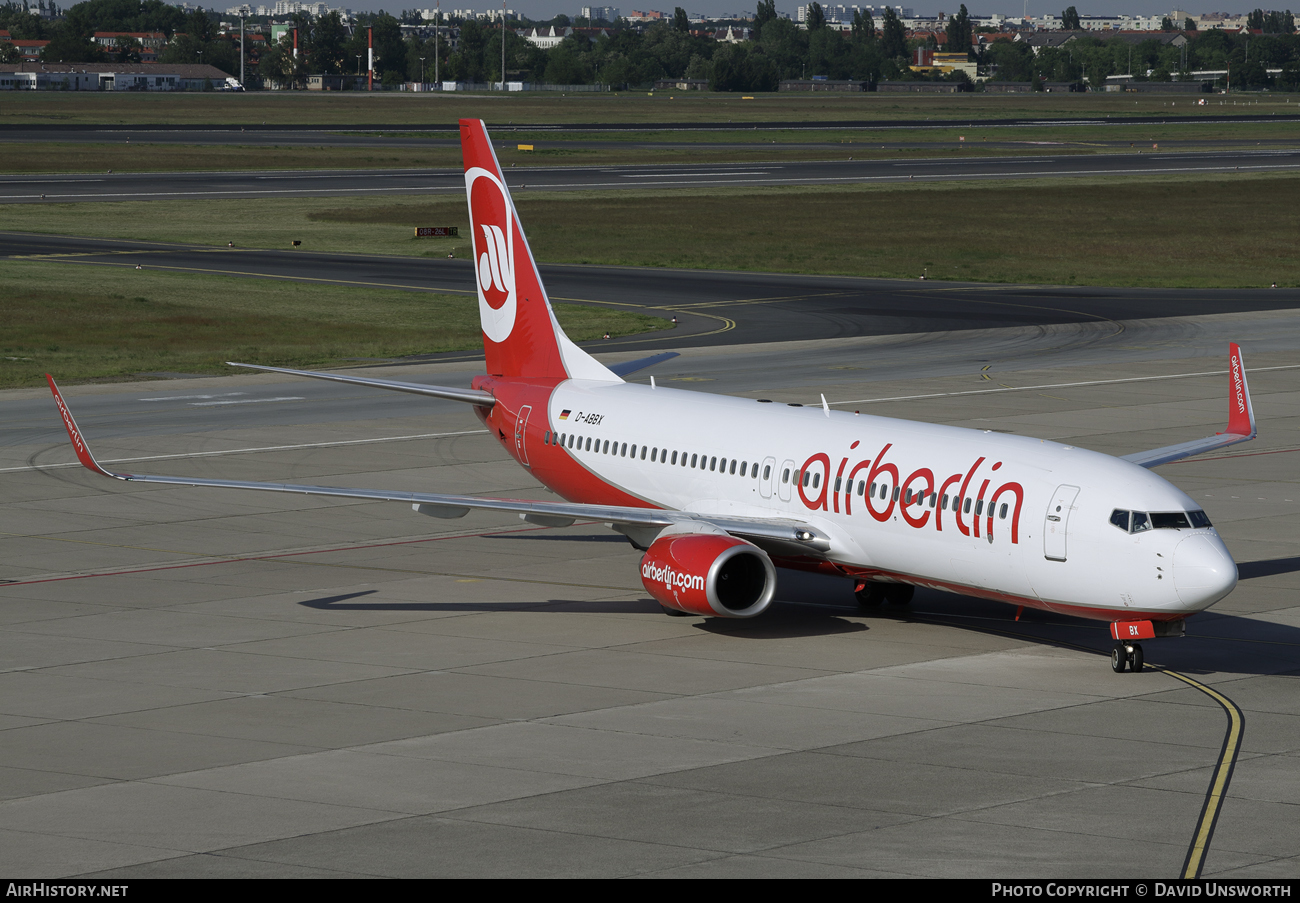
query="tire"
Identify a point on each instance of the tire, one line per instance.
(1135, 659)
(899, 593)
(1118, 658)
(870, 596)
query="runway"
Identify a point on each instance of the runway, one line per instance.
(119, 186)
(350, 689)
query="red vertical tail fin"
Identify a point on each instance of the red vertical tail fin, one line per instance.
(521, 337)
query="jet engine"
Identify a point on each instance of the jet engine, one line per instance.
(711, 574)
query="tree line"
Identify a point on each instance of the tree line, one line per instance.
(869, 51)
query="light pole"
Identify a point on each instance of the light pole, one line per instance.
(503, 45)
(421, 73)
(437, 19)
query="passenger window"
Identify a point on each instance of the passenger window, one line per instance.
(785, 475)
(807, 477)
(744, 466)
(1199, 519)
(674, 457)
(633, 449)
(547, 439)
(713, 464)
(694, 458)
(606, 449)
(944, 505)
(1119, 518)
(733, 466)
(722, 465)
(588, 443)
(767, 472)
(979, 507)
(1002, 512)
(862, 487)
(570, 440)
(907, 497)
(623, 453)
(873, 490)
(1140, 522)
(643, 451)
(967, 508)
(895, 494)
(884, 492)
(817, 480)
(934, 497)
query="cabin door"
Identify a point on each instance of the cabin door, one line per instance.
(1056, 526)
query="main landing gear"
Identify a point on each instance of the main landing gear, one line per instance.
(1126, 655)
(870, 594)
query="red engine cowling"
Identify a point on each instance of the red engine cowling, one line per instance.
(715, 575)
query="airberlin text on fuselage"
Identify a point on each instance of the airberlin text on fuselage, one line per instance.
(920, 484)
(670, 578)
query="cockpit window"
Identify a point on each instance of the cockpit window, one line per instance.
(1141, 521)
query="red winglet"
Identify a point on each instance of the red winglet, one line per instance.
(1241, 416)
(78, 444)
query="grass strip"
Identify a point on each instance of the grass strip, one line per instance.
(1224, 231)
(385, 109)
(86, 323)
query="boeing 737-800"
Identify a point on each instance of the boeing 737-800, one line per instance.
(719, 490)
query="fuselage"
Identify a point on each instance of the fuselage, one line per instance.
(1021, 520)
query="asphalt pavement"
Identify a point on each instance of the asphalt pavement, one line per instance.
(120, 186)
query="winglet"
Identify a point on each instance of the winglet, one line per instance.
(78, 443)
(1241, 415)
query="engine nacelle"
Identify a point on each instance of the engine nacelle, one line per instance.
(709, 574)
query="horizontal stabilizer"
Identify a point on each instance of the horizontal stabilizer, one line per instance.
(472, 396)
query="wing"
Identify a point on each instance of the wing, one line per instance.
(1241, 421)
(784, 535)
(472, 396)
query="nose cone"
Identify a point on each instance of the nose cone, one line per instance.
(1204, 572)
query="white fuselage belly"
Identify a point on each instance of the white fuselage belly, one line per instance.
(1079, 561)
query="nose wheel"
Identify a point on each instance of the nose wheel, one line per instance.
(1126, 655)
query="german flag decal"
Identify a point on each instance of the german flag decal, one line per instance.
(564, 415)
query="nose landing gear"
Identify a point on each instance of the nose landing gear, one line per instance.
(1126, 655)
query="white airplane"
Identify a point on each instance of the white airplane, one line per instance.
(717, 490)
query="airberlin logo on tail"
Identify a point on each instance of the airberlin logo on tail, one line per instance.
(494, 252)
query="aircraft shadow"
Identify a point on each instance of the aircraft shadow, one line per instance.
(780, 622)
(816, 605)
(551, 537)
(1249, 570)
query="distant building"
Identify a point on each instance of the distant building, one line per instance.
(599, 13)
(30, 76)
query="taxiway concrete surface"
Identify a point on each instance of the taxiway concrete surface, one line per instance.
(234, 684)
(119, 186)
